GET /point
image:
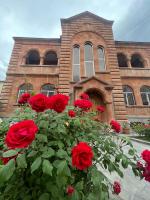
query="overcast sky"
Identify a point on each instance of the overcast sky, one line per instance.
(41, 18)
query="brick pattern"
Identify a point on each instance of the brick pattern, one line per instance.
(78, 30)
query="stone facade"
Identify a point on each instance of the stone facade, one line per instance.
(105, 85)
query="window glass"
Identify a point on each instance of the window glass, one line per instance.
(101, 58)
(88, 60)
(76, 63)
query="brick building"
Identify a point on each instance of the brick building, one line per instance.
(86, 58)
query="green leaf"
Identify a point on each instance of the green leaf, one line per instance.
(124, 162)
(41, 138)
(7, 171)
(44, 196)
(10, 153)
(21, 161)
(61, 153)
(131, 152)
(63, 168)
(36, 164)
(49, 153)
(32, 153)
(47, 167)
(79, 186)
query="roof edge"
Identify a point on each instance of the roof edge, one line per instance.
(65, 20)
(131, 42)
(58, 40)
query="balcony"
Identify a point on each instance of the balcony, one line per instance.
(135, 72)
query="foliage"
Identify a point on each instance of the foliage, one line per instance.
(125, 124)
(142, 129)
(44, 170)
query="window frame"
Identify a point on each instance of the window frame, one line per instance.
(89, 43)
(75, 65)
(22, 91)
(104, 59)
(43, 91)
(126, 94)
(28, 54)
(147, 93)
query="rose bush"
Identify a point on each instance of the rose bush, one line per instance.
(51, 154)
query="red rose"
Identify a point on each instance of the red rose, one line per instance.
(70, 190)
(82, 155)
(84, 96)
(117, 187)
(146, 156)
(115, 125)
(21, 134)
(71, 113)
(146, 173)
(39, 102)
(24, 98)
(101, 109)
(83, 104)
(58, 102)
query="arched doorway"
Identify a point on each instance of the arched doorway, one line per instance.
(97, 99)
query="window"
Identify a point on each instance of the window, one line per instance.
(101, 58)
(137, 61)
(88, 60)
(128, 95)
(76, 63)
(122, 60)
(145, 95)
(27, 87)
(48, 90)
(50, 58)
(33, 58)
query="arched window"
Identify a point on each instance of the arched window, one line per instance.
(26, 87)
(101, 58)
(48, 89)
(88, 60)
(128, 95)
(50, 58)
(137, 61)
(122, 60)
(76, 63)
(33, 58)
(145, 95)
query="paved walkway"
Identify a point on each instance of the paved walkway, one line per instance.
(132, 187)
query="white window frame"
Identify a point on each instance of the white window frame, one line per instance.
(47, 92)
(147, 97)
(101, 47)
(126, 97)
(75, 65)
(89, 61)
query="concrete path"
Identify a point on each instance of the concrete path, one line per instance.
(132, 187)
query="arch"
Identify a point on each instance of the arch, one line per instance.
(145, 94)
(122, 60)
(101, 58)
(88, 59)
(32, 57)
(128, 95)
(50, 58)
(25, 87)
(48, 89)
(137, 61)
(76, 63)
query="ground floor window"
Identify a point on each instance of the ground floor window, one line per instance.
(128, 95)
(145, 95)
(48, 90)
(26, 87)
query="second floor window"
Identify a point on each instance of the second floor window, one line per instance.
(76, 63)
(33, 58)
(88, 60)
(101, 58)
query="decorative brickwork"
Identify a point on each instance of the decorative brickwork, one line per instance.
(76, 30)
